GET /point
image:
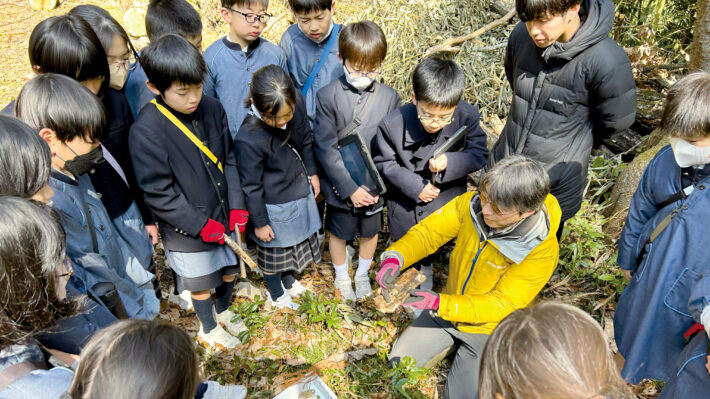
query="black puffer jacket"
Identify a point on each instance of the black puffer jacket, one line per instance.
(565, 96)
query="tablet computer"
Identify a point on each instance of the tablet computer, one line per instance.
(358, 161)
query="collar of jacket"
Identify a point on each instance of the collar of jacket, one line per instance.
(597, 20)
(281, 134)
(516, 241)
(235, 46)
(64, 178)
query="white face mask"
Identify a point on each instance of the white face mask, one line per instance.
(360, 83)
(118, 78)
(687, 154)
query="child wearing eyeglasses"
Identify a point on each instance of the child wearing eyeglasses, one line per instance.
(417, 184)
(354, 95)
(233, 59)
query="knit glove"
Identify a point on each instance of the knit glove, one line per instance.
(388, 273)
(423, 299)
(238, 217)
(212, 232)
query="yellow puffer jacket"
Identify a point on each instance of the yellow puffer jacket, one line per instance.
(477, 298)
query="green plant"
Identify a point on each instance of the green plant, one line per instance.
(405, 374)
(253, 319)
(318, 309)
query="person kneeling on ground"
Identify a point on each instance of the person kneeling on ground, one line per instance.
(550, 350)
(506, 250)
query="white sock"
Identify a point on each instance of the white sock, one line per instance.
(363, 266)
(341, 271)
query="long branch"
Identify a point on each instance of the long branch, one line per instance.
(448, 45)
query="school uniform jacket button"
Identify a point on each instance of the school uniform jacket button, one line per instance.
(420, 213)
(219, 184)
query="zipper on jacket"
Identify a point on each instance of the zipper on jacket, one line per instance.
(473, 264)
(470, 272)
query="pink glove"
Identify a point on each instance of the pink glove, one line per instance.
(388, 273)
(423, 299)
(212, 232)
(238, 217)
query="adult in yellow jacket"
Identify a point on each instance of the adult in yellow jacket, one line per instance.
(506, 250)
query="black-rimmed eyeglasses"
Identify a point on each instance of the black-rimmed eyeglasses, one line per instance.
(251, 17)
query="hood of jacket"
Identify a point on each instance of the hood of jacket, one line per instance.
(597, 20)
(517, 241)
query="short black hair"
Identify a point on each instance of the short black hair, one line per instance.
(172, 59)
(103, 24)
(363, 43)
(25, 159)
(177, 17)
(306, 6)
(244, 3)
(66, 44)
(438, 82)
(529, 10)
(63, 105)
(685, 114)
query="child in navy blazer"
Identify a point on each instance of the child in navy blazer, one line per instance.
(184, 162)
(278, 176)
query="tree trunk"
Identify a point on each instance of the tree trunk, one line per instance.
(700, 50)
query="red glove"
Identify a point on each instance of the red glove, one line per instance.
(238, 217)
(388, 273)
(423, 299)
(212, 232)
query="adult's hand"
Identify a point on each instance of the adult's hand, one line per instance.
(388, 273)
(423, 299)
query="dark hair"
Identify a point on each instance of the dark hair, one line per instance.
(686, 112)
(244, 3)
(270, 89)
(178, 17)
(529, 10)
(363, 43)
(306, 6)
(517, 182)
(103, 24)
(137, 359)
(25, 159)
(172, 59)
(63, 105)
(66, 44)
(32, 250)
(438, 82)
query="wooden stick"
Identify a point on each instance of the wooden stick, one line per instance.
(234, 246)
(448, 44)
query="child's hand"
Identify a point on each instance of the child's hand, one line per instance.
(238, 219)
(438, 164)
(362, 198)
(315, 182)
(212, 231)
(264, 233)
(152, 231)
(429, 193)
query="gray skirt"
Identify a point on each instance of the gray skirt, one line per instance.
(199, 271)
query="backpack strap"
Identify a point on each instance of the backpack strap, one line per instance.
(196, 141)
(321, 61)
(360, 116)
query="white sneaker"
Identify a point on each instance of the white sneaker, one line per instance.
(362, 286)
(284, 301)
(184, 300)
(296, 290)
(232, 322)
(218, 336)
(428, 272)
(216, 391)
(346, 289)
